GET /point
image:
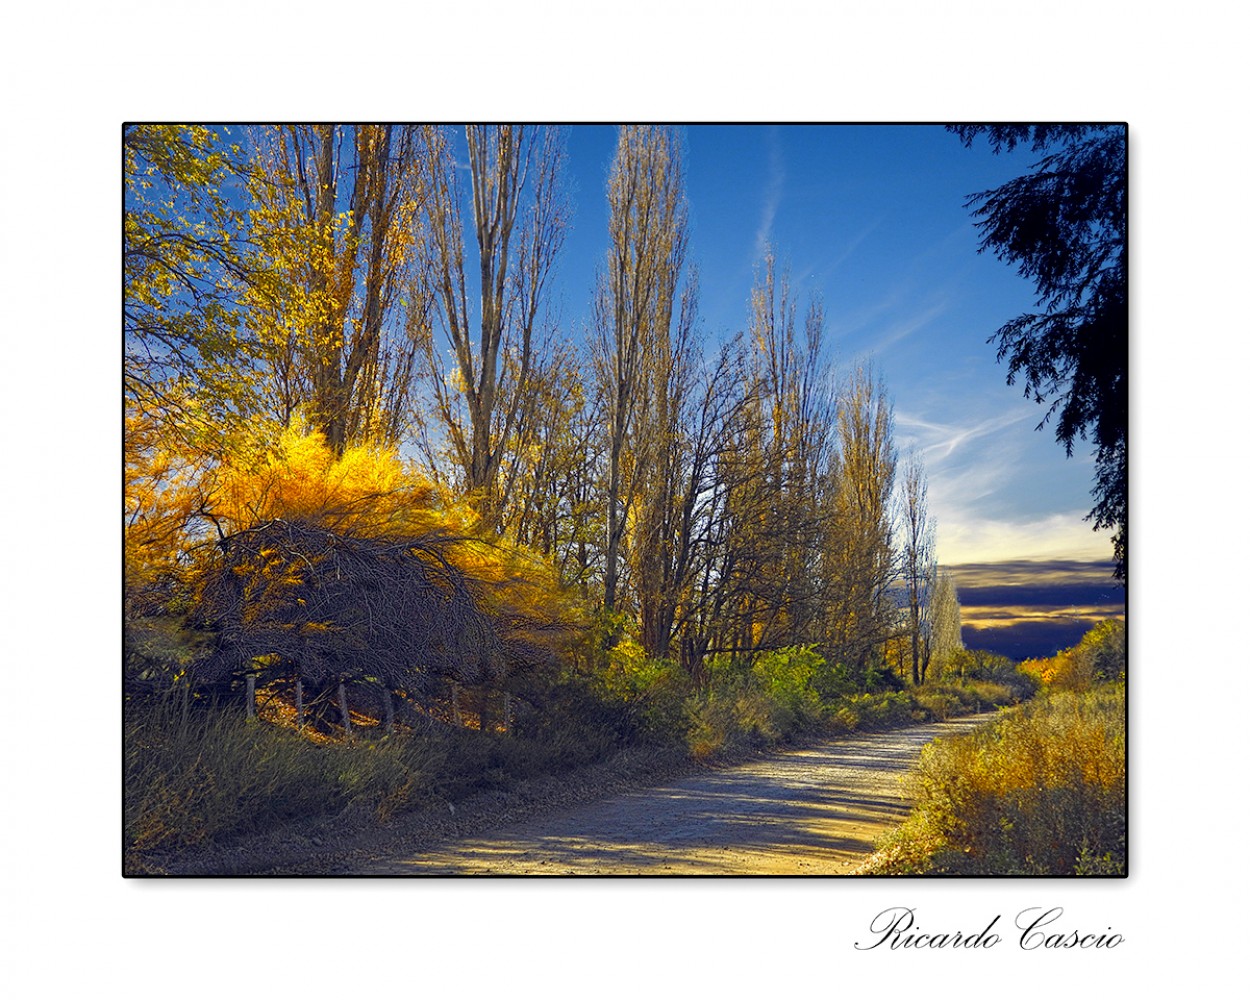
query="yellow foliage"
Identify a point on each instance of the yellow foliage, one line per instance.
(368, 490)
(1041, 668)
(162, 490)
(1099, 656)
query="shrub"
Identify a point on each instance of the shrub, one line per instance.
(650, 694)
(1040, 791)
(757, 703)
(1107, 643)
(846, 719)
(889, 710)
(785, 676)
(939, 705)
(980, 665)
(711, 723)
(1100, 656)
(833, 681)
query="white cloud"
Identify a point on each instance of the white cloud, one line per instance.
(977, 472)
(1056, 536)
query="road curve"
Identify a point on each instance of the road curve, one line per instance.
(815, 811)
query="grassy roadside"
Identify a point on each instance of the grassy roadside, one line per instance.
(212, 784)
(1040, 791)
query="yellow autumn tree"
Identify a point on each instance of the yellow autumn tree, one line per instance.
(335, 212)
(163, 481)
(353, 569)
(186, 261)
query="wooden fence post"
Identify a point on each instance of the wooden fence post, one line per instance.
(455, 703)
(390, 709)
(347, 719)
(251, 696)
(299, 704)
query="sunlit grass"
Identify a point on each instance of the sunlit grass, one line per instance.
(1040, 792)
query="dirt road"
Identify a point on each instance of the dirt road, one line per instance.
(815, 811)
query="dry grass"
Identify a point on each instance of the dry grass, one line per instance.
(1040, 792)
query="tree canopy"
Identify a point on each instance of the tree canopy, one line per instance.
(186, 263)
(1064, 225)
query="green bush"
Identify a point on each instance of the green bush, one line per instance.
(833, 681)
(785, 677)
(648, 693)
(971, 665)
(720, 721)
(887, 710)
(756, 703)
(778, 698)
(710, 724)
(845, 719)
(938, 705)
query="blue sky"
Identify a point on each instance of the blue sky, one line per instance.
(872, 219)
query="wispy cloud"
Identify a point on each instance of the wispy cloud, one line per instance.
(964, 488)
(937, 441)
(772, 195)
(974, 468)
(904, 328)
(823, 266)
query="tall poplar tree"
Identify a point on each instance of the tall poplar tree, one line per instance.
(917, 563)
(336, 212)
(518, 218)
(635, 306)
(780, 508)
(861, 556)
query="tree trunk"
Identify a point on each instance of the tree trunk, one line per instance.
(612, 557)
(299, 705)
(915, 647)
(251, 696)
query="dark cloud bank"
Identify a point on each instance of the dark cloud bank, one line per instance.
(1028, 609)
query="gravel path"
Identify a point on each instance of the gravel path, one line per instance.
(815, 811)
